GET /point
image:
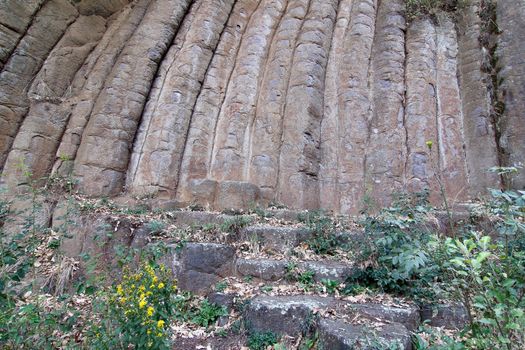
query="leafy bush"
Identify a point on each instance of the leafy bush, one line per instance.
(399, 254)
(35, 325)
(260, 341)
(323, 228)
(208, 313)
(235, 224)
(489, 279)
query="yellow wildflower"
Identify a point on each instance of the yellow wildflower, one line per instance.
(123, 300)
(148, 331)
(119, 289)
(160, 323)
(161, 285)
(155, 279)
(142, 288)
(148, 293)
(151, 310)
(159, 334)
(142, 303)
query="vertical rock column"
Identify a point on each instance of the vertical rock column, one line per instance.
(232, 137)
(328, 194)
(479, 134)
(267, 128)
(349, 140)
(386, 149)
(452, 159)
(104, 152)
(90, 79)
(160, 153)
(511, 54)
(15, 18)
(421, 106)
(196, 160)
(39, 135)
(46, 29)
(303, 113)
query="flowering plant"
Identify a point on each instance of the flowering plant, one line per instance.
(137, 311)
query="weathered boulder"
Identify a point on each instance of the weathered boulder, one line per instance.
(198, 266)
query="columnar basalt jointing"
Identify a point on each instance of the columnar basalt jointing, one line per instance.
(266, 131)
(452, 161)
(479, 134)
(231, 145)
(386, 146)
(311, 103)
(40, 133)
(158, 89)
(328, 196)
(160, 154)
(300, 150)
(15, 18)
(511, 53)
(105, 149)
(89, 82)
(421, 103)
(354, 106)
(196, 160)
(49, 25)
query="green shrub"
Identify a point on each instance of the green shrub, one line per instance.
(489, 279)
(262, 340)
(235, 224)
(399, 254)
(207, 313)
(323, 228)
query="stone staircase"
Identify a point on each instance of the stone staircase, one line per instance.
(259, 266)
(262, 266)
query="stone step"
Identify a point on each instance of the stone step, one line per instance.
(273, 270)
(282, 239)
(339, 335)
(341, 324)
(199, 266)
(274, 238)
(188, 218)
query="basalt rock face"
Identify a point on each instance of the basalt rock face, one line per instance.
(311, 103)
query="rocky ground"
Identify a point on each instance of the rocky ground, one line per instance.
(257, 264)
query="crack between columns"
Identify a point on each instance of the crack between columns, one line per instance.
(176, 185)
(250, 127)
(211, 156)
(277, 185)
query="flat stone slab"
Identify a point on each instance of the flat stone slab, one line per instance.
(408, 315)
(327, 270)
(275, 238)
(293, 314)
(284, 314)
(338, 335)
(198, 218)
(264, 269)
(273, 270)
